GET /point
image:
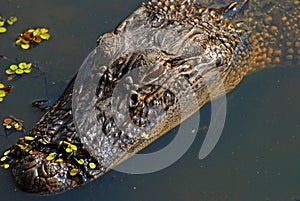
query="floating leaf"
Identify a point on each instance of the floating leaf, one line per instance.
(17, 126)
(74, 172)
(26, 36)
(7, 152)
(32, 36)
(2, 86)
(1, 100)
(28, 65)
(36, 32)
(2, 29)
(37, 39)
(67, 143)
(5, 166)
(27, 70)
(2, 93)
(29, 138)
(51, 156)
(7, 120)
(68, 150)
(59, 160)
(44, 30)
(12, 20)
(19, 71)
(92, 165)
(80, 161)
(13, 67)
(73, 147)
(22, 65)
(3, 158)
(9, 72)
(1, 23)
(45, 36)
(8, 126)
(25, 46)
(19, 41)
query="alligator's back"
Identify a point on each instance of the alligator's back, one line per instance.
(275, 33)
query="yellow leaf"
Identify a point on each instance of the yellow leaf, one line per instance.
(19, 41)
(19, 71)
(51, 156)
(44, 30)
(5, 166)
(3, 158)
(80, 161)
(92, 165)
(73, 147)
(45, 36)
(9, 71)
(22, 65)
(2, 93)
(8, 126)
(25, 46)
(74, 172)
(2, 29)
(68, 150)
(6, 152)
(59, 160)
(28, 65)
(29, 138)
(37, 32)
(13, 67)
(12, 20)
(27, 70)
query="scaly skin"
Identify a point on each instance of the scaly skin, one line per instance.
(186, 46)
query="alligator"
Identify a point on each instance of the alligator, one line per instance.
(160, 60)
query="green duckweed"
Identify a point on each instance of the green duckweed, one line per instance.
(31, 37)
(2, 93)
(74, 172)
(19, 68)
(4, 23)
(92, 165)
(80, 161)
(51, 156)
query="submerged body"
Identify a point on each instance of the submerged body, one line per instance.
(186, 46)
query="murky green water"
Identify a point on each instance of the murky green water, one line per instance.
(257, 157)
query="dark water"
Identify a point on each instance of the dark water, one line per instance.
(257, 157)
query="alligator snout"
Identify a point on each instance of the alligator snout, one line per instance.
(35, 174)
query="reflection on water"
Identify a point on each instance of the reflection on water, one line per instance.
(257, 157)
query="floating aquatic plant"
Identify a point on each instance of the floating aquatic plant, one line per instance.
(32, 37)
(5, 22)
(13, 122)
(18, 69)
(4, 90)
